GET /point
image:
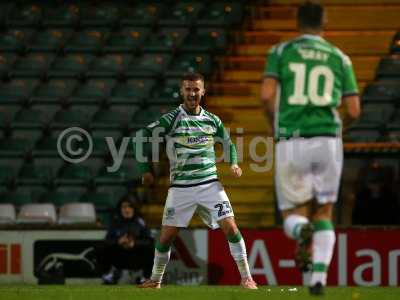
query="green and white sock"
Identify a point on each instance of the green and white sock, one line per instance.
(161, 258)
(323, 244)
(237, 248)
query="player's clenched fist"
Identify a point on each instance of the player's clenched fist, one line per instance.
(236, 171)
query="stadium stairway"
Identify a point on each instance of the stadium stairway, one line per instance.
(363, 29)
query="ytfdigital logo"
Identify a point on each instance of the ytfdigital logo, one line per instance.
(10, 259)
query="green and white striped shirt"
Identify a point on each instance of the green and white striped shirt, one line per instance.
(190, 143)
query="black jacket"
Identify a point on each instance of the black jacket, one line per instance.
(134, 227)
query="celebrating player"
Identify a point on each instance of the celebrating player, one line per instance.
(305, 80)
(190, 132)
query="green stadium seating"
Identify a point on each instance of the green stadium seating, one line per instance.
(222, 14)
(385, 90)
(128, 172)
(389, 67)
(25, 15)
(88, 40)
(61, 14)
(98, 14)
(362, 134)
(39, 171)
(190, 63)
(23, 195)
(47, 146)
(72, 117)
(54, 91)
(9, 169)
(146, 116)
(64, 195)
(100, 146)
(34, 117)
(75, 174)
(117, 116)
(132, 91)
(15, 40)
(168, 93)
(71, 65)
(148, 65)
(101, 200)
(143, 14)
(93, 91)
(33, 65)
(7, 61)
(165, 40)
(52, 39)
(205, 40)
(7, 113)
(110, 65)
(375, 114)
(129, 39)
(184, 13)
(17, 90)
(17, 146)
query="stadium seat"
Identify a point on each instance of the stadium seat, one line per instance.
(93, 91)
(54, 91)
(23, 195)
(102, 200)
(148, 65)
(146, 116)
(17, 90)
(116, 116)
(128, 39)
(20, 143)
(389, 67)
(110, 65)
(77, 213)
(205, 40)
(117, 191)
(40, 171)
(165, 40)
(37, 116)
(64, 194)
(100, 146)
(37, 213)
(15, 40)
(168, 93)
(60, 14)
(7, 214)
(222, 14)
(52, 39)
(143, 14)
(184, 63)
(363, 134)
(33, 65)
(25, 15)
(98, 14)
(47, 146)
(7, 61)
(133, 91)
(395, 46)
(74, 116)
(183, 14)
(7, 114)
(89, 40)
(384, 90)
(9, 169)
(127, 172)
(71, 65)
(375, 114)
(74, 174)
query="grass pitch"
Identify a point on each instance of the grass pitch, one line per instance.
(95, 292)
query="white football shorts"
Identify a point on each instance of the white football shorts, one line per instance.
(208, 200)
(306, 169)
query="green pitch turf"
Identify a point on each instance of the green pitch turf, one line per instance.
(93, 292)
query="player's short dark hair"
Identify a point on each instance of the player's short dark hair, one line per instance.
(310, 15)
(192, 76)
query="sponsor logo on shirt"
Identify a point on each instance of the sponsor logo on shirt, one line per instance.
(197, 140)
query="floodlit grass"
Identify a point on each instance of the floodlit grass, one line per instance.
(95, 292)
